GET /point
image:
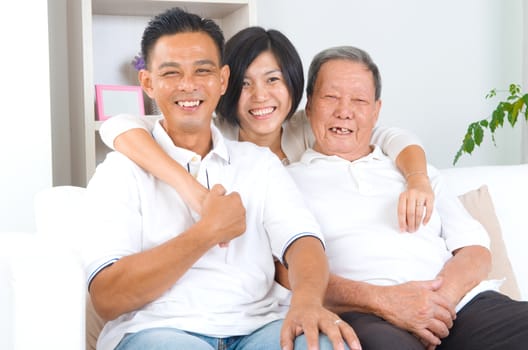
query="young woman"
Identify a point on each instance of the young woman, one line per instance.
(264, 90)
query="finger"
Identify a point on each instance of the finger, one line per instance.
(419, 213)
(218, 189)
(402, 212)
(349, 335)
(429, 210)
(438, 328)
(333, 332)
(411, 214)
(427, 336)
(311, 332)
(287, 336)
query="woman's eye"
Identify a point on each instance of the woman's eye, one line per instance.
(245, 83)
(273, 79)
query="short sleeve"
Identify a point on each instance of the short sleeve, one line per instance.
(115, 126)
(393, 140)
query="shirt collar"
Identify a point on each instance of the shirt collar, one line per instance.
(183, 155)
(311, 156)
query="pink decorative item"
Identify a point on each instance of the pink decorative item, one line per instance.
(116, 99)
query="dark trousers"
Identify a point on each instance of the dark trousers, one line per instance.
(491, 321)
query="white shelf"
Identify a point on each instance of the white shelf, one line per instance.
(104, 36)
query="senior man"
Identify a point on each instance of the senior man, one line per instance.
(398, 290)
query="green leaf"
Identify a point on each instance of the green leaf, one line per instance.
(491, 94)
(515, 89)
(512, 116)
(484, 123)
(457, 156)
(468, 145)
(478, 134)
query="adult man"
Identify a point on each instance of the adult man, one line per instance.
(163, 276)
(398, 291)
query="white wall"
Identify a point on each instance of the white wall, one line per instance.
(437, 59)
(25, 136)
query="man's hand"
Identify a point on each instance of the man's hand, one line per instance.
(418, 308)
(310, 320)
(224, 215)
(416, 201)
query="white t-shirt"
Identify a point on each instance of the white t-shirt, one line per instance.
(356, 204)
(297, 134)
(229, 291)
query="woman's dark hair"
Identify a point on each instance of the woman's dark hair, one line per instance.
(242, 49)
(174, 21)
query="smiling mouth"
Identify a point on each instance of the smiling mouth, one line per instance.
(341, 131)
(189, 104)
(262, 112)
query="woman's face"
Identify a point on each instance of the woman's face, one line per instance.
(265, 100)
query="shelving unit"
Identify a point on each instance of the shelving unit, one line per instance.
(104, 36)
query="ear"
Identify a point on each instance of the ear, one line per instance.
(146, 82)
(308, 107)
(224, 78)
(376, 112)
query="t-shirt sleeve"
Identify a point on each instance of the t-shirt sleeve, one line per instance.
(459, 228)
(393, 140)
(113, 229)
(286, 215)
(115, 126)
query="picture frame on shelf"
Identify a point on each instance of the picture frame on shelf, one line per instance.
(116, 99)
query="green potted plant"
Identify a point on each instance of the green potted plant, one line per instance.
(515, 105)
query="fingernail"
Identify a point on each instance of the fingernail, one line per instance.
(355, 345)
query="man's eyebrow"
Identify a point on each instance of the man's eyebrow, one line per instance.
(169, 64)
(205, 61)
(196, 63)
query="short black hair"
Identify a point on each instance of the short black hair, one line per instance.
(349, 53)
(242, 49)
(177, 20)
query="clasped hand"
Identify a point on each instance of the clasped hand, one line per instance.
(419, 308)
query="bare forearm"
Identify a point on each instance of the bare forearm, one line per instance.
(307, 270)
(412, 161)
(345, 295)
(139, 146)
(468, 267)
(138, 279)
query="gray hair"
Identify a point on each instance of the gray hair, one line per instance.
(349, 53)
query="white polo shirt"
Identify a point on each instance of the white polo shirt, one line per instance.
(229, 291)
(356, 205)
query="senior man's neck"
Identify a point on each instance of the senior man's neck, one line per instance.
(350, 155)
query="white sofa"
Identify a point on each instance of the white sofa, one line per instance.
(42, 285)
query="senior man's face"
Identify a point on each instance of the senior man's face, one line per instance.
(343, 109)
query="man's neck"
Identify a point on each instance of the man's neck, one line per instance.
(200, 141)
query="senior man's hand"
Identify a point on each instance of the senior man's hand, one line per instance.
(418, 308)
(416, 204)
(311, 319)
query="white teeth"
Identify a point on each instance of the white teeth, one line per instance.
(188, 103)
(262, 111)
(341, 131)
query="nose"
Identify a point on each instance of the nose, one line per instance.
(186, 83)
(344, 109)
(259, 92)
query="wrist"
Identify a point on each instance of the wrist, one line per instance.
(416, 174)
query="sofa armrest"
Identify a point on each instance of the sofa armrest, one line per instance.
(42, 294)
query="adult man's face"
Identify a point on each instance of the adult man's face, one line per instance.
(343, 109)
(186, 80)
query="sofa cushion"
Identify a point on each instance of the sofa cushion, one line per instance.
(479, 204)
